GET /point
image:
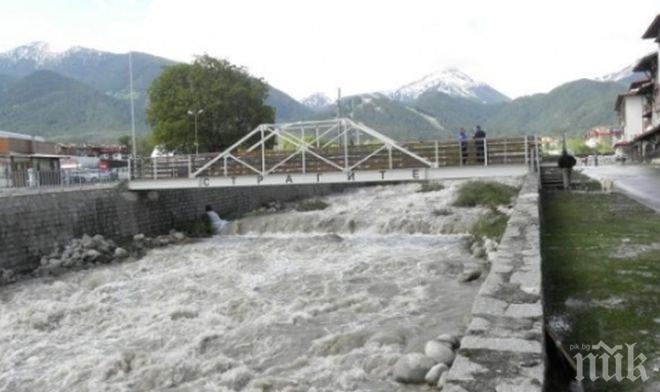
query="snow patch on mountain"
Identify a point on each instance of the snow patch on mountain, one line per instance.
(450, 81)
(317, 101)
(618, 75)
(43, 53)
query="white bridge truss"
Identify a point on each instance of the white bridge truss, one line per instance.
(312, 138)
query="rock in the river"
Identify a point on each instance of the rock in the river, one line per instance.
(120, 253)
(478, 252)
(139, 237)
(490, 245)
(469, 275)
(87, 242)
(434, 374)
(439, 352)
(383, 338)
(442, 381)
(452, 340)
(412, 368)
(91, 255)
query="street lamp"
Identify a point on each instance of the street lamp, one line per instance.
(196, 113)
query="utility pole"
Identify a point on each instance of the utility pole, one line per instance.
(196, 113)
(130, 74)
(339, 103)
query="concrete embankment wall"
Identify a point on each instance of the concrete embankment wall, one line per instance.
(33, 225)
(503, 347)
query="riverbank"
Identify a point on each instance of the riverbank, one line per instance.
(601, 274)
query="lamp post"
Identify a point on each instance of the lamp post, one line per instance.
(196, 114)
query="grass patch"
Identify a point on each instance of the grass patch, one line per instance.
(491, 225)
(484, 193)
(197, 228)
(441, 212)
(589, 259)
(311, 205)
(430, 187)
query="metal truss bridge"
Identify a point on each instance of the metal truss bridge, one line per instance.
(334, 151)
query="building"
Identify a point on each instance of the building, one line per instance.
(639, 107)
(601, 136)
(22, 154)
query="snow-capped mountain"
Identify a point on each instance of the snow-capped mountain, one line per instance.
(624, 76)
(617, 76)
(35, 52)
(42, 54)
(317, 101)
(450, 81)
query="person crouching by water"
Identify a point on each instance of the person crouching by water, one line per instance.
(479, 140)
(566, 163)
(217, 223)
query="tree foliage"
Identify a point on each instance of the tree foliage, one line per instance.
(232, 102)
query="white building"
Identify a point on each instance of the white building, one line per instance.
(639, 107)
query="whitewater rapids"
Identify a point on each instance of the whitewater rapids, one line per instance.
(301, 301)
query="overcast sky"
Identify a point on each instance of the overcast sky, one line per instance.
(518, 47)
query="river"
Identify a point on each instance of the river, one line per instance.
(320, 300)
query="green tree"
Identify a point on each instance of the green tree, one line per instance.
(124, 141)
(232, 102)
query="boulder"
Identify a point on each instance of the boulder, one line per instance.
(120, 253)
(469, 275)
(384, 338)
(442, 380)
(139, 237)
(452, 340)
(478, 252)
(434, 374)
(91, 255)
(490, 245)
(86, 242)
(178, 236)
(412, 368)
(439, 352)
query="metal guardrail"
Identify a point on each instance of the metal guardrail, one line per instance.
(30, 181)
(524, 150)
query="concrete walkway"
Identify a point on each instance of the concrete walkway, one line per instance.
(642, 183)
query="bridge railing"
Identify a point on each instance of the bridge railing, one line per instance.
(372, 156)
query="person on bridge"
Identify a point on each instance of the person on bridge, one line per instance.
(479, 140)
(566, 163)
(463, 139)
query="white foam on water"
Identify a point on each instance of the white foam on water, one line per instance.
(287, 306)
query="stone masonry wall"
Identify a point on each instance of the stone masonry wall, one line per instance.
(33, 225)
(503, 347)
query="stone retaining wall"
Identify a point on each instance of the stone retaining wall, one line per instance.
(33, 225)
(503, 347)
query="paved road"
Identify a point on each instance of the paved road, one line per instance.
(640, 182)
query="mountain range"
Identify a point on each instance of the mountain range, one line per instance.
(82, 94)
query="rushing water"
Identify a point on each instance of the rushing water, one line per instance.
(321, 300)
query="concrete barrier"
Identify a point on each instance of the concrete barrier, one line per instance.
(503, 347)
(34, 225)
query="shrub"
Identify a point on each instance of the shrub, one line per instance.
(485, 193)
(197, 228)
(311, 205)
(491, 225)
(430, 187)
(441, 212)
